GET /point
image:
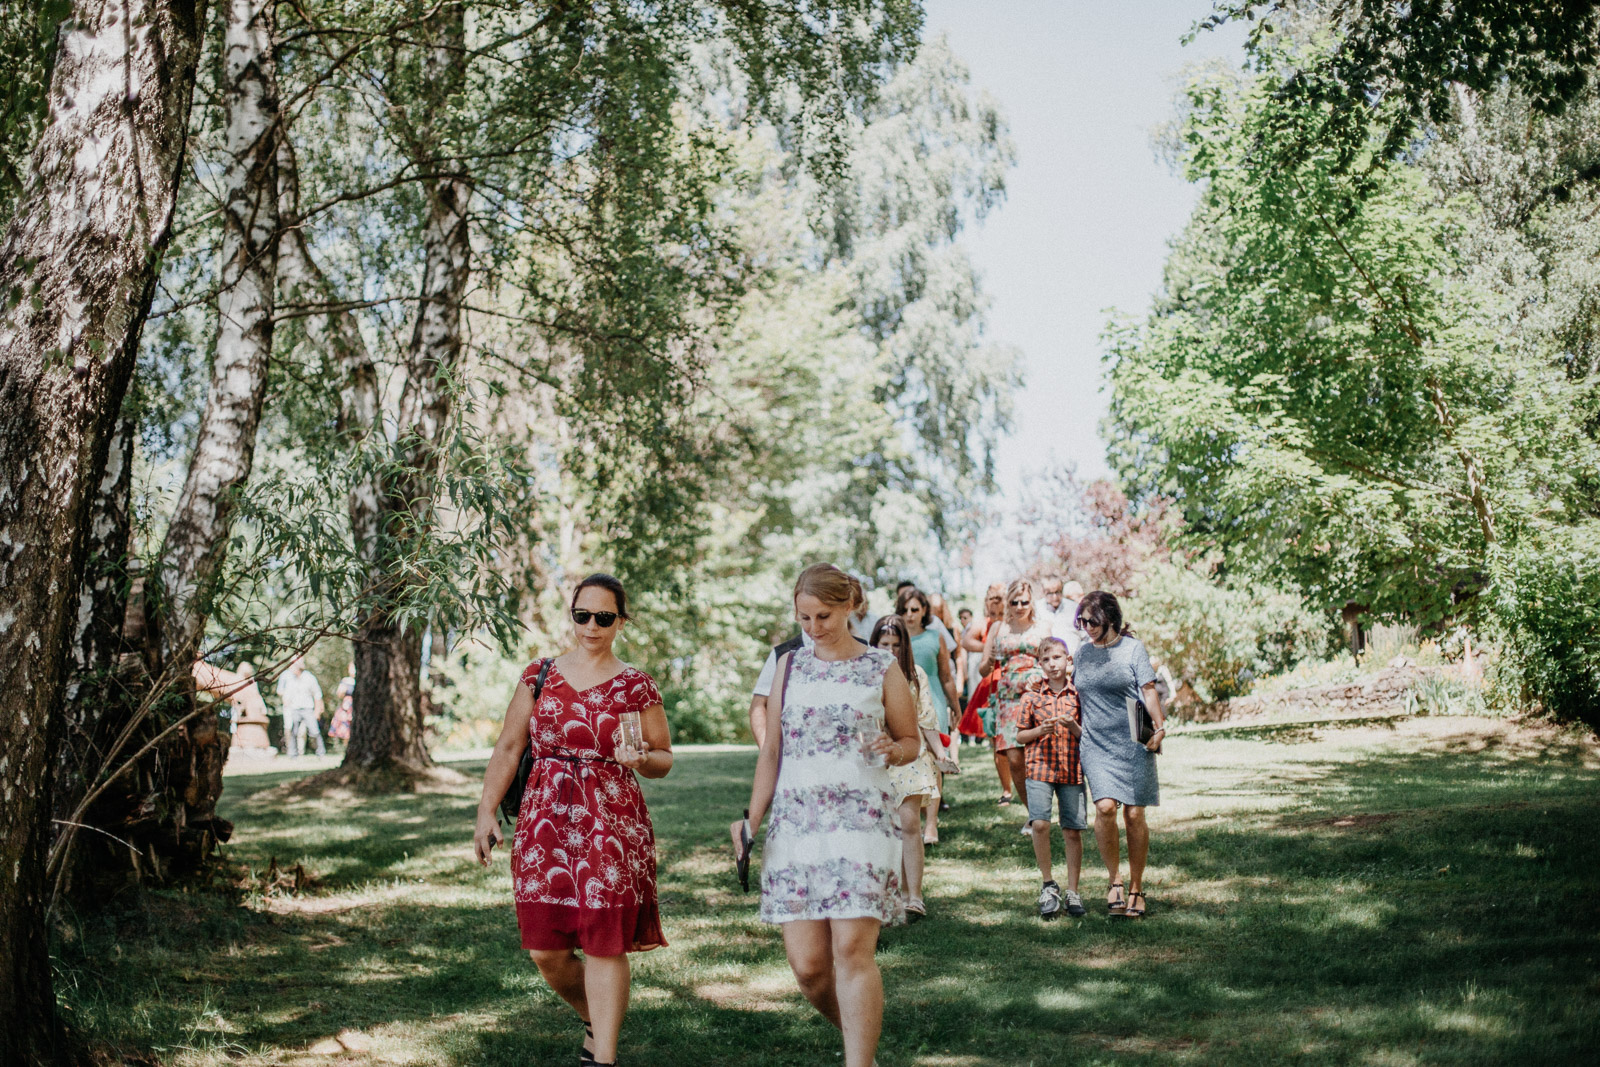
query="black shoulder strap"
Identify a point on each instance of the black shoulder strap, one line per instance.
(787, 646)
(788, 669)
(538, 684)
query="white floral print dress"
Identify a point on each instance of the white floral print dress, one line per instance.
(833, 844)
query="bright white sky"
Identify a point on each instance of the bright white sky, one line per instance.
(1089, 208)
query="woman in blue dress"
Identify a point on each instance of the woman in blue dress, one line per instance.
(1111, 669)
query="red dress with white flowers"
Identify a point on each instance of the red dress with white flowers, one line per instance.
(583, 862)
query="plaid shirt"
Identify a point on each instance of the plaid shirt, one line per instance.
(1053, 757)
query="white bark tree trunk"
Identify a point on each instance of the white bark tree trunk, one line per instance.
(78, 264)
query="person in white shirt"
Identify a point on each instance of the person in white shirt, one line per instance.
(1062, 600)
(302, 707)
(763, 689)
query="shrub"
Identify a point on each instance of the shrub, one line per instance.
(1218, 635)
(1547, 605)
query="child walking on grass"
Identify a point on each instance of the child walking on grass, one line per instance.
(1049, 728)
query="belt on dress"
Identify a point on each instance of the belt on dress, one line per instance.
(565, 799)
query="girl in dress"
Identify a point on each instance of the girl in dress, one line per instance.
(916, 785)
(1012, 650)
(583, 864)
(1111, 669)
(839, 716)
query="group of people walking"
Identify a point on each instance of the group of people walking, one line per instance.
(854, 733)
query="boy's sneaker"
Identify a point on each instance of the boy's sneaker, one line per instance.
(1075, 906)
(1050, 902)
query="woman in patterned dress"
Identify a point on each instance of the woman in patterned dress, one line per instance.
(916, 785)
(583, 863)
(830, 870)
(1013, 647)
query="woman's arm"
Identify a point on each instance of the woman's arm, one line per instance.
(899, 719)
(970, 641)
(766, 780)
(1158, 715)
(508, 750)
(948, 683)
(654, 758)
(986, 664)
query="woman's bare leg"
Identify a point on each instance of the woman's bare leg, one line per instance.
(930, 831)
(605, 981)
(859, 988)
(809, 947)
(911, 860)
(1138, 845)
(1106, 837)
(1019, 772)
(563, 972)
(1002, 767)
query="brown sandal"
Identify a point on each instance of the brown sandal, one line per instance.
(1120, 905)
(1136, 911)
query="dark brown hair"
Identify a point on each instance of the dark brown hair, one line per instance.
(902, 654)
(907, 596)
(1100, 608)
(603, 581)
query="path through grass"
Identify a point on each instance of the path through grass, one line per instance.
(1419, 894)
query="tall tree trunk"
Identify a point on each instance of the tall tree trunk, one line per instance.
(224, 451)
(387, 718)
(97, 691)
(78, 265)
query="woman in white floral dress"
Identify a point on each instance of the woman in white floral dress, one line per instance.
(840, 715)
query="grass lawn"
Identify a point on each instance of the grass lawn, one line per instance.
(1424, 893)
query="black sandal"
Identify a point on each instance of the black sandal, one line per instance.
(1116, 907)
(585, 1057)
(1136, 912)
(1005, 798)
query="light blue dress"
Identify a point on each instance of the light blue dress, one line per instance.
(925, 650)
(1114, 764)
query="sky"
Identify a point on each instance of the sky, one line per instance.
(1089, 207)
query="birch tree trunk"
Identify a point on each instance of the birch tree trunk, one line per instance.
(224, 451)
(78, 265)
(387, 719)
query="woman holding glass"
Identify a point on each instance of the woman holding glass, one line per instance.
(583, 863)
(839, 716)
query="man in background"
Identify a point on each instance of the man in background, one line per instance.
(302, 707)
(1062, 600)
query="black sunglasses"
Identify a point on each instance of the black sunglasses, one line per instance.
(1020, 603)
(606, 619)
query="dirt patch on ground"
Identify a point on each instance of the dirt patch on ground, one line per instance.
(1357, 822)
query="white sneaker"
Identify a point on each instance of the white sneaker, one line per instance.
(1027, 828)
(1075, 906)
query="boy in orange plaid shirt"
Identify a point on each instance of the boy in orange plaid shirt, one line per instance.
(1049, 728)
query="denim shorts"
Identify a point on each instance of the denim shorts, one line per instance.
(1072, 799)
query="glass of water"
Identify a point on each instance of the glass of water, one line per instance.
(632, 731)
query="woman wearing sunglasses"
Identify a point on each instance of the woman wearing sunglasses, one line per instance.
(1012, 647)
(583, 863)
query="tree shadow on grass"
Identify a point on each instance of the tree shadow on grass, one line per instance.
(1434, 906)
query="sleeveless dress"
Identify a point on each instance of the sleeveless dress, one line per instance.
(1017, 663)
(832, 848)
(583, 862)
(925, 650)
(920, 777)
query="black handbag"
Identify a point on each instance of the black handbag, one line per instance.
(1140, 724)
(511, 803)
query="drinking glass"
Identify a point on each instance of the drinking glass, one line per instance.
(867, 733)
(632, 731)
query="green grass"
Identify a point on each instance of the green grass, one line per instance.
(1422, 894)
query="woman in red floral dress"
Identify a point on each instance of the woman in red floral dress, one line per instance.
(583, 863)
